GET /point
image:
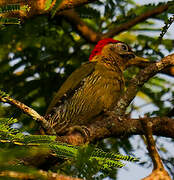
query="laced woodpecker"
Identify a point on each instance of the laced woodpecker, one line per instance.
(93, 88)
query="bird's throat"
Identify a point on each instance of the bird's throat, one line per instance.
(113, 63)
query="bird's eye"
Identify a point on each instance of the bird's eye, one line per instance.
(124, 47)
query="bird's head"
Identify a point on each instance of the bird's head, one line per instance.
(116, 53)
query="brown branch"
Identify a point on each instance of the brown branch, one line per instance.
(168, 71)
(159, 171)
(43, 174)
(157, 174)
(92, 36)
(137, 82)
(5, 2)
(157, 163)
(138, 19)
(115, 126)
(38, 7)
(70, 4)
(29, 111)
(40, 4)
(84, 30)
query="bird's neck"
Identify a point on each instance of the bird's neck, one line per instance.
(112, 62)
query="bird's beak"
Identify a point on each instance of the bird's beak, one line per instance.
(140, 59)
(137, 61)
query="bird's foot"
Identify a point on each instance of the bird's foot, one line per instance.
(84, 131)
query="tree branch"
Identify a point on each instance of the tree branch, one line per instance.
(159, 171)
(38, 7)
(93, 36)
(151, 146)
(125, 26)
(115, 124)
(168, 71)
(84, 30)
(27, 110)
(39, 174)
(70, 4)
(113, 127)
(137, 82)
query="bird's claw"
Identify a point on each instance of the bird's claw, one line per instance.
(84, 131)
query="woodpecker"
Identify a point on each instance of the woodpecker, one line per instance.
(93, 88)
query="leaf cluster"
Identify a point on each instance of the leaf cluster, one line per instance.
(89, 159)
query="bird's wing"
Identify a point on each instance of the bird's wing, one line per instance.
(74, 81)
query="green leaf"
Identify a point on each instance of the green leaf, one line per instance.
(88, 12)
(48, 4)
(9, 7)
(55, 7)
(11, 20)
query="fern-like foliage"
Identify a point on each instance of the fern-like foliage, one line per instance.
(104, 159)
(3, 94)
(9, 7)
(64, 150)
(55, 7)
(166, 27)
(87, 12)
(12, 20)
(116, 156)
(47, 4)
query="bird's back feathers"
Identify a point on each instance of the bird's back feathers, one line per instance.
(74, 81)
(85, 95)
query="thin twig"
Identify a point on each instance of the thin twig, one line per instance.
(70, 4)
(137, 82)
(138, 19)
(29, 111)
(92, 36)
(157, 163)
(37, 8)
(39, 174)
(84, 30)
(159, 171)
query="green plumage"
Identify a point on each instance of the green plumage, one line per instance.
(85, 95)
(93, 88)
